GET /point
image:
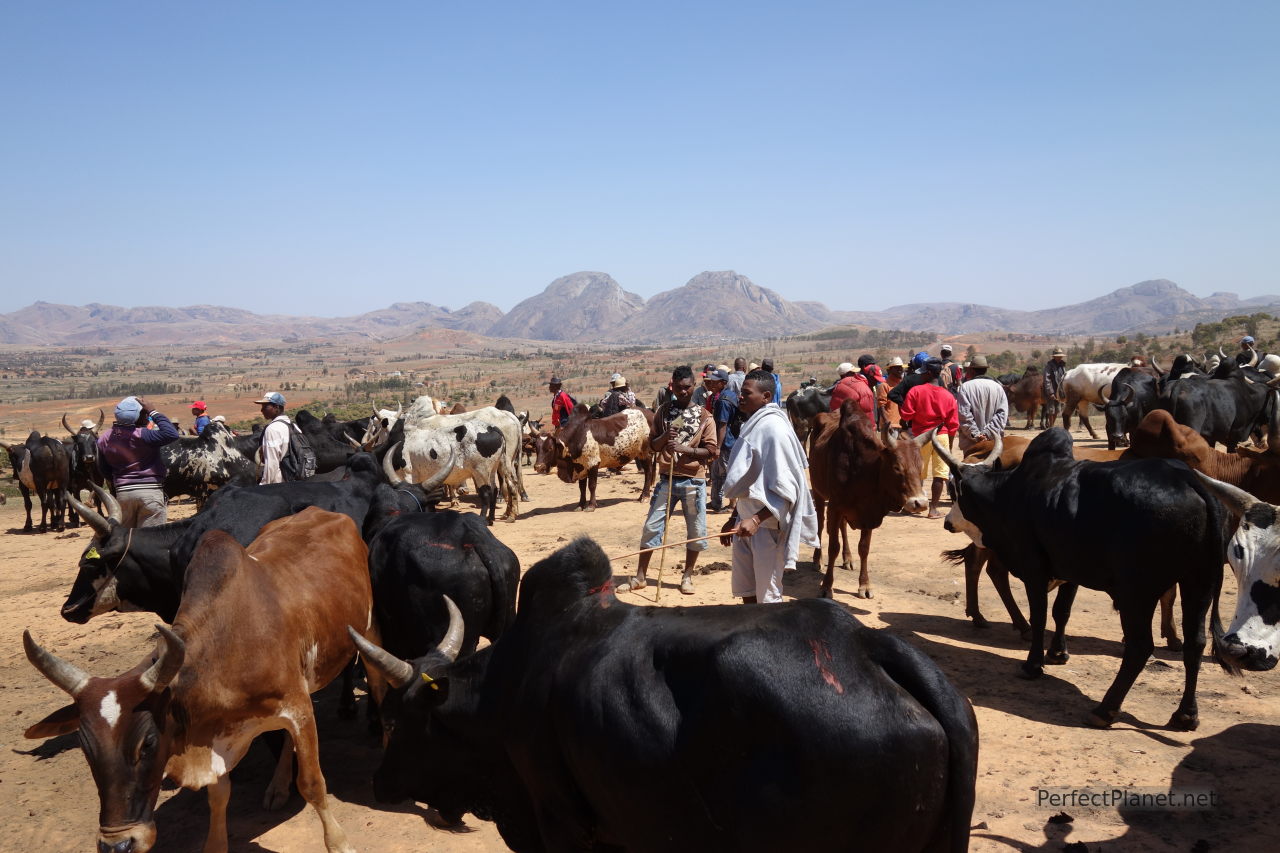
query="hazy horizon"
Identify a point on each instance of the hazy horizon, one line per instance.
(260, 156)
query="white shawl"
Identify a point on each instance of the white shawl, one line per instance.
(767, 468)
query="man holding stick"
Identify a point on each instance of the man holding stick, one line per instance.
(774, 514)
(683, 439)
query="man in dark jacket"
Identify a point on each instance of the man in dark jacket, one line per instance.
(129, 456)
(1055, 374)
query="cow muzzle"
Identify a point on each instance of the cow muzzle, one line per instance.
(1248, 657)
(915, 504)
(137, 838)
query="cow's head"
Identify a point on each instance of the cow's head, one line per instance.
(1253, 639)
(422, 756)
(125, 732)
(546, 453)
(963, 474)
(901, 467)
(94, 590)
(1116, 414)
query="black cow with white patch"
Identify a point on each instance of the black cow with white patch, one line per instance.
(42, 465)
(1134, 393)
(197, 465)
(803, 404)
(596, 724)
(1131, 528)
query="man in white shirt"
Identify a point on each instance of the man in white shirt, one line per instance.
(983, 405)
(275, 437)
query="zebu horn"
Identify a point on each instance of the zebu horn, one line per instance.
(994, 456)
(388, 467)
(1236, 500)
(172, 652)
(452, 642)
(1221, 353)
(65, 676)
(398, 673)
(109, 500)
(65, 425)
(351, 441)
(1253, 360)
(925, 438)
(886, 437)
(443, 474)
(102, 416)
(100, 525)
(942, 453)
(399, 409)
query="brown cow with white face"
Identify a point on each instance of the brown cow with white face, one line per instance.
(259, 630)
(859, 477)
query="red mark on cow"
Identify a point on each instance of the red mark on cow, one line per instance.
(821, 654)
(604, 593)
(442, 545)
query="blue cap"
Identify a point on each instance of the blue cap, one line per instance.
(919, 359)
(1247, 339)
(127, 410)
(274, 397)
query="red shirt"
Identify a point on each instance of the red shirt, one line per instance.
(927, 406)
(854, 388)
(561, 408)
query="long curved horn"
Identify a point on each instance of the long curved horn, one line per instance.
(924, 438)
(1156, 365)
(100, 525)
(172, 653)
(1236, 500)
(943, 454)
(65, 425)
(351, 441)
(994, 456)
(452, 642)
(388, 467)
(102, 416)
(887, 438)
(109, 501)
(399, 409)
(441, 475)
(1221, 353)
(1126, 396)
(65, 676)
(1253, 360)
(398, 673)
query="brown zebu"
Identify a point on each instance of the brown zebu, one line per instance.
(1026, 395)
(259, 630)
(1257, 472)
(859, 477)
(583, 445)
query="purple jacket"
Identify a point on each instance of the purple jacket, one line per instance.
(130, 456)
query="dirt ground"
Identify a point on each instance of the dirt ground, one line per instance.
(1031, 732)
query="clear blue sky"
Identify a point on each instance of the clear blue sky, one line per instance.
(331, 158)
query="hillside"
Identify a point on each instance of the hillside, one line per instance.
(719, 304)
(581, 306)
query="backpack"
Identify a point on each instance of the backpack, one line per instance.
(299, 460)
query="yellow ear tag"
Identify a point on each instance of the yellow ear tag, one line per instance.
(92, 554)
(426, 679)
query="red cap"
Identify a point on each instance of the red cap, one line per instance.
(199, 404)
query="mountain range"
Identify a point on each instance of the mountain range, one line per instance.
(591, 306)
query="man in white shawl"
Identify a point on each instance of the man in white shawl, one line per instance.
(775, 514)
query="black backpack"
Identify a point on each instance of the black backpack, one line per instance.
(299, 460)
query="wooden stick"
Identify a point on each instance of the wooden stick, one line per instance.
(666, 525)
(671, 545)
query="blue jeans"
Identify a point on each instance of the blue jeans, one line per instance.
(690, 495)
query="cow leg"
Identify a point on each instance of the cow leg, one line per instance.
(1169, 631)
(1061, 613)
(647, 466)
(311, 782)
(219, 794)
(59, 510)
(820, 509)
(582, 495)
(1196, 598)
(488, 502)
(591, 485)
(1135, 622)
(834, 523)
(1000, 580)
(1084, 419)
(26, 501)
(1038, 604)
(864, 550)
(974, 557)
(277, 793)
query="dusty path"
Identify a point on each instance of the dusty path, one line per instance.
(1031, 732)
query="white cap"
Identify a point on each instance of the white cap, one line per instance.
(89, 424)
(220, 419)
(845, 367)
(896, 361)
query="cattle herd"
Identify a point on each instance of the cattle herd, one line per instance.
(581, 703)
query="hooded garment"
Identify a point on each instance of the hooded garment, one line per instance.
(767, 468)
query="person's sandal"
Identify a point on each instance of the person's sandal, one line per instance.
(686, 586)
(631, 585)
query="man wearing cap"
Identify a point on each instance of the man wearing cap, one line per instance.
(683, 439)
(1248, 351)
(766, 364)
(1055, 375)
(926, 406)
(561, 402)
(702, 394)
(887, 408)
(199, 412)
(725, 415)
(915, 376)
(951, 378)
(129, 456)
(275, 437)
(853, 386)
(982, 405)
(619, 397)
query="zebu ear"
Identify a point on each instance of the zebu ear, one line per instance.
(1236, 500)
(62, 721)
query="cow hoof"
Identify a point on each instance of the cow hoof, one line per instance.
(1173, 644)
(1024, 631)
(1029, 672)
(1184, 722)
(825, 592)
(1056, 658)
(1100, 718)
(864, 592)
(980, 621)
(591, 508)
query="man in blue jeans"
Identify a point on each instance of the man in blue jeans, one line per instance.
(683, 439)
